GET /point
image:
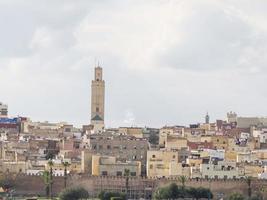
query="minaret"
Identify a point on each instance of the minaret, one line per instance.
(98, 98)
(207, 118)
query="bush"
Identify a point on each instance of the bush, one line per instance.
(111, 196)
(174, 192)
(74, 194)
(236, 196)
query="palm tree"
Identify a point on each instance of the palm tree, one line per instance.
(65, 164)
(50, 164)
(248, 181)
(46, 179)
(182, 179)
(127, 174)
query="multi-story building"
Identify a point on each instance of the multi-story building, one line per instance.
(165, 163)
(109, 166)
(221, 170)
(124, 148)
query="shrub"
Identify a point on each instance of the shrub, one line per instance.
(74, 194)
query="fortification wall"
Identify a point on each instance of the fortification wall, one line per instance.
(138, 187)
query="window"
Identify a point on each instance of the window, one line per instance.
(119, 173)
(97, 109)
(104, 173)
(173, 156)
(108, 146)
(151, 167)
(153, 156)
(133, 173)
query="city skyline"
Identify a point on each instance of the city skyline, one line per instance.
(165, 62)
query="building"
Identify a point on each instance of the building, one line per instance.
(98, 100)
(132, 131)
(165, 163)
(221, 170)
(109, 166)
(207, 118)
(123, 147)
(3, 110)
(247, 122)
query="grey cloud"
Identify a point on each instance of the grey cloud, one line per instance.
(212, 39)
(166, 63)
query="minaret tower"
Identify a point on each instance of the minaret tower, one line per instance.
(207, 118)
(98, 98)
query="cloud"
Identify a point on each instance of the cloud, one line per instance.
(169, 61)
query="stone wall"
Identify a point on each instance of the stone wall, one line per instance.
(138, 187)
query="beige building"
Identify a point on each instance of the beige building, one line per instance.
(109, 166)
(175, 142)
(98, 98)
(165, 131)
(132, 131)
(221, 170)
(164, 163)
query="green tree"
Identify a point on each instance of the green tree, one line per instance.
(173, 191)
(182, 179)
(46, 180)
(153, 138)
(236, 196)
(169, 192)
(127, 174)
(65, 164)
(199, 193)
(74, 194)
(248, 180)
(7, 181)
(51, 164)
(111, 195)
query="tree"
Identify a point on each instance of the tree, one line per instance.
(49, 155)
(236, 196)
(182, 180)
(46, 180)
(65, 164)
(248, 181)
(111, 195)
(199, 193)
(7, 181)
(127, 174)
(50, 164)
(174, 192)
(170, 192)
(74, 194)
(153, 138)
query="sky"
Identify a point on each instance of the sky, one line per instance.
(165, 62)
